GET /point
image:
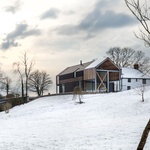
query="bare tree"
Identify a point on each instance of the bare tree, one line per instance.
(141, 88)
(142, 13)
(142, 61)
(127, 57)
(17, 69)
(1, 75)
(120, 56)
(39, 82)
(27, 66)
(6, 82)
(141, 91)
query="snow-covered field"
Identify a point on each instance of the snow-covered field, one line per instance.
(113, 121)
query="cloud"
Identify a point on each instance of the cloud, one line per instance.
(102, 4)
(67, 30)
(51, 13)
(99, 19)
(13, 8)
(21, 31)
(9, 43)
(69, 12)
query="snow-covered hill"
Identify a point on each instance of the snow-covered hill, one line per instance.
(113, 121)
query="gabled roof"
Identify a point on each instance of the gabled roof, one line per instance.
(133, 73)
(75, 68)
(87, 65)
(98, 62)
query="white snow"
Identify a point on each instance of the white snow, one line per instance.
(94, 64)
(133, 73)
(111, 121)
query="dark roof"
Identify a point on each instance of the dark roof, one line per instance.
(76, 68)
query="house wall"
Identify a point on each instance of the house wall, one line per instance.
(89, 74)
(135, 83)
(113, 76)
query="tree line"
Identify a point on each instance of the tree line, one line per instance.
(30, 80)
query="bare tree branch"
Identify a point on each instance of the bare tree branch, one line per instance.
(142, 14)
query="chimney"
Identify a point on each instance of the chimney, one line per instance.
(136, 66)
(81, 62)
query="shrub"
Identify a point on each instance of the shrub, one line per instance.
(77, 93)
(6, 106)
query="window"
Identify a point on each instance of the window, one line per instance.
(128, 87)
(63, 88)
(129, 79)
(144, 81)
(75, 75)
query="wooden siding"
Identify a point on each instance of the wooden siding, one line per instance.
(70, 80)
(107, 65)
(89, 74)
(114, 76)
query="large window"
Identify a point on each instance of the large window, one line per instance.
(144, 81)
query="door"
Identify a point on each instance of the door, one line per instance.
(111, 87)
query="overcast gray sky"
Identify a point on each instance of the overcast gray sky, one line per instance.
(60, 33)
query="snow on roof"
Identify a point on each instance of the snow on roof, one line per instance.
(95, 63)
(98, 62)
(132, 73)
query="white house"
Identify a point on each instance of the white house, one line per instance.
(133, 78)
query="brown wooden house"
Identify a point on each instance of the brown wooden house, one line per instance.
(93, 76)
